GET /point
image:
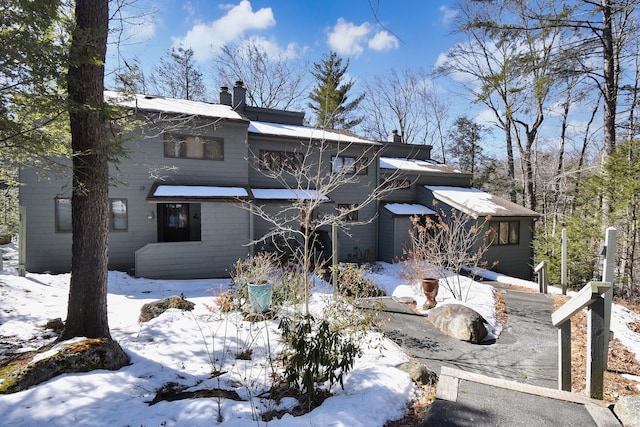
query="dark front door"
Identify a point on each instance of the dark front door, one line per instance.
(173, 222)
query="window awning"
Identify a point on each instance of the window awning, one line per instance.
(408, 209)
(287, 194)
(169, 192)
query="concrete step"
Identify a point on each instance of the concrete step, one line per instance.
(470, 399)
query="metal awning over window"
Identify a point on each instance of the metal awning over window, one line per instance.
(170, 192)
(287, 194)
(408, 209)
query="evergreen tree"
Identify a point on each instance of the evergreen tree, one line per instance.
(87, 310)
(178, 77)
(329, 96)
(32, 66)
(465, 150)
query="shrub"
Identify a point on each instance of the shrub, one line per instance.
(316, 352)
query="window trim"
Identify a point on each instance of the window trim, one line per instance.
(281, 158)
(356, 168)
(57, 215)
(126, 215)
(181, 152)
(111, 215)
(508, 233)
(352, 207)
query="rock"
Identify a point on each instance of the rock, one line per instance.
(627, 409)
(67, 357)
(156, 308)
(405, 300)
(56, 325)
(419, 373)
(459, 321)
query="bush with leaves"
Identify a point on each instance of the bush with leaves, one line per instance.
(316, 352)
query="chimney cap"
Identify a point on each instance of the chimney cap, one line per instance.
(239, 83)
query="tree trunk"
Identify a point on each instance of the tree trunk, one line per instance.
(87, 310)
(610, 80)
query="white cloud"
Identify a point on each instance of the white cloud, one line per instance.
(348, 39)
(206, 38)
(273, 49)
(448, 14)
(383, 41)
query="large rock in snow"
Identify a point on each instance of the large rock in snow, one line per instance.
(79, 355)
(156, 308)
(459, 321)
(628, 410)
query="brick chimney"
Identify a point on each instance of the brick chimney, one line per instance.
(239, 96)
(225, 96)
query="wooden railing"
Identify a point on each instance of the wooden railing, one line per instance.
(543, 278)
(592, 297)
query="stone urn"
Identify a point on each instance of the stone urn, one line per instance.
(430, 288)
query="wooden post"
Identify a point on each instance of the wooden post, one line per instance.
(608, 276)
(564, 356)
(543, 280)
(597, 337)
(22, 241)
(334, 256)
(563, 265)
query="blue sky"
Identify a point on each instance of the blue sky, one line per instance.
(410, 33)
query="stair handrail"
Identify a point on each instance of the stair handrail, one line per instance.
(590, 296)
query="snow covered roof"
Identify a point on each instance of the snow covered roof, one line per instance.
(287, 194)
(417, 165)
(477, 203)
(171, 105)
(304, 132)
(408, 209)
(196, 192)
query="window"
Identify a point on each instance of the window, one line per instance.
(193, 147)
(351, 211)
(280, 160)
(63, 215)
(349, 165)
(118, 220)
(504, 232)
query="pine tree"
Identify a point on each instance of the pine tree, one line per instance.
(329, 96)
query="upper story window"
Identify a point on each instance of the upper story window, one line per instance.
(193, 147)
(118, 220)
(349, 210)
(280, 160)
(504, 232)
(351, 165)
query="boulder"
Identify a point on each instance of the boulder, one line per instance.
(156, 308)
(80, 355)
(627, 409)
(419, 373)
(459, 321)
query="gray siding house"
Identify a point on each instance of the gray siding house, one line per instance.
(176, 197)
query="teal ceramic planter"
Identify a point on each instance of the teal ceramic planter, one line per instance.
(260, 296)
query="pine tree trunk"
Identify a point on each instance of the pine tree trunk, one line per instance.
(87, 310)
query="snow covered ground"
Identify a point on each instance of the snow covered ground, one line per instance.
(185, 348)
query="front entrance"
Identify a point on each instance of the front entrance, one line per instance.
(178, 222)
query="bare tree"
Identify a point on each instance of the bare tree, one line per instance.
(177, 76)
(311, 175)
(274, 79)
(442, 246)
(403, 101)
